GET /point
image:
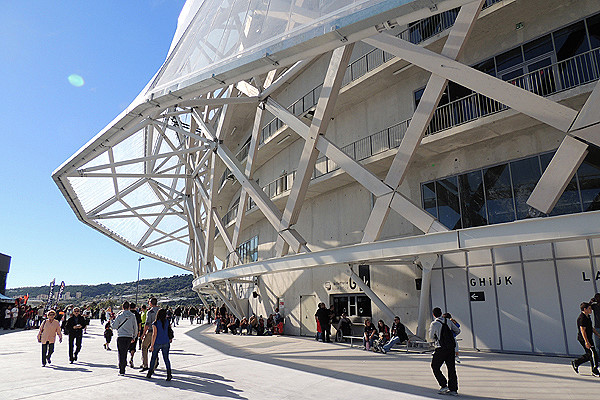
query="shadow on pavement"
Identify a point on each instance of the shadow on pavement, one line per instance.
(199, 335)
(197, 382)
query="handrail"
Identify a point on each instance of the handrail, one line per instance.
(554, 78)
(415, 33)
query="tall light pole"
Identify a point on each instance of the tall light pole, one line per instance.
(137, 285)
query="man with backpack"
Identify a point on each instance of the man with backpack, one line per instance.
(442, 331)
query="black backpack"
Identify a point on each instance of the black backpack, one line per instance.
(446, 338)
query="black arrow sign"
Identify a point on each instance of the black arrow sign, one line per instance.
(477, 296)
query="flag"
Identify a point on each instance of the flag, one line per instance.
(48, 303)
(60, 291)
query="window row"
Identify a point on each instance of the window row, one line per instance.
(499, 193)
(538, 54)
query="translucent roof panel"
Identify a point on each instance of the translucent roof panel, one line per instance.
(218, 30)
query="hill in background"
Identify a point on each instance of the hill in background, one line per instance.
(176, 289)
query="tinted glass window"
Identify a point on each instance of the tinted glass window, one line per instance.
(457, 91)
(525, 175)
(569, 202)
(448, 206)
(589, 180)
(509, 59)
(364, 306)
(593, 24)
(418, 95)
(340, 304)
(486, 66)
(538, 47)
(499, 194)
(472, 200)
(570, 41)
(429, 203)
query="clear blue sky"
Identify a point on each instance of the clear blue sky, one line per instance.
(116, 46)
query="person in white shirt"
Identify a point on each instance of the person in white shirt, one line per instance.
(441, 332)
(14, 314)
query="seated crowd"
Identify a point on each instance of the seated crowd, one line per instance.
(227, 322)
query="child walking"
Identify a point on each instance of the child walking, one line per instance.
(108, 334)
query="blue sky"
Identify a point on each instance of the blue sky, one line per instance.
(116, 46)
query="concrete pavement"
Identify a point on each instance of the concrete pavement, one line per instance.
(208, 366)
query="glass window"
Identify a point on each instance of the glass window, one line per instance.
(486, 66)
(570, 41)
(364, 306)
(340, 304)
(448, 206)
(418, 95)
(589, 180)
(355, 305)
(593, 24)
(429, 203)
(456, 91)
(538, 47)
(509, 59)
(525, 175)
(499, 194)
(569, 202)
(511, 76)
(472, 200)
(248, 251)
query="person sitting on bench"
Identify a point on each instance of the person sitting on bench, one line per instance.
(397, 333)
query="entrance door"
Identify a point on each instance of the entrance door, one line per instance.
(308, 307)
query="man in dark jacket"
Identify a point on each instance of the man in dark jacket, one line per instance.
(397, 335)
(322, 316)
(74, 328)
(584, 337)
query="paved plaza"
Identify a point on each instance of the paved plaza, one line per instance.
(206, 365)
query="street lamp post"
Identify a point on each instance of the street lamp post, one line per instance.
(137, 285)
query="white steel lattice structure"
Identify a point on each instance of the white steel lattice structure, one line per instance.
(156, 178)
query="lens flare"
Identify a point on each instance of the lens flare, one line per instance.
(76, 80)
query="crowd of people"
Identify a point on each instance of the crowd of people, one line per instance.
(227, 322)
(149, 329)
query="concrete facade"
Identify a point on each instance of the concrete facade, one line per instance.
(336, 210)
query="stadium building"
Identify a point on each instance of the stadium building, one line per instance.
(381, 156)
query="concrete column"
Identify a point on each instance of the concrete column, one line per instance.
(426, 262)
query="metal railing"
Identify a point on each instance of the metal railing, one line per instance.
(554, 78)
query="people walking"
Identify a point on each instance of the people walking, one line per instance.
(49, 329)
(126, 325)
(74, 327)
(138, 320)
(108, 334)
(147, 335)
(585, 332)
(441, 332)
(160, 342)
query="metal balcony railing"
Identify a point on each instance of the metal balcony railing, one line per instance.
(416, 33)
(555, 78)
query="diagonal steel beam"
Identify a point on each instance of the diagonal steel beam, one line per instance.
(323, 113)
(531, 104)
(249, 169)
